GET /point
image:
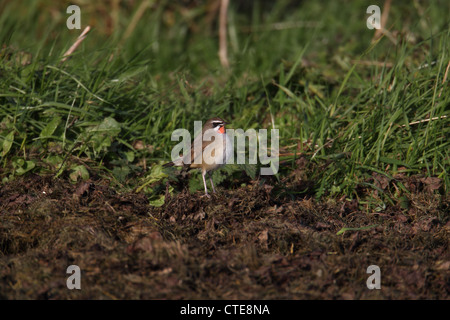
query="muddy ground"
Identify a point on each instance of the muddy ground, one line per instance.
(246, 243)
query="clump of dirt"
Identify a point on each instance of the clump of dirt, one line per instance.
(247, 243)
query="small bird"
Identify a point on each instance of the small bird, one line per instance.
(209, 161)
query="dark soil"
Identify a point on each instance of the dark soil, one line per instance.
(246, 243)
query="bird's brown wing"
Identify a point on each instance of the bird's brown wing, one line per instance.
(204, 144)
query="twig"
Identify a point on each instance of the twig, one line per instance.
(383, 30)
(445, 78)
(384, 18)
(76, 44)
(134, 21)
(223, 54)
(281, 26)
(425, 120)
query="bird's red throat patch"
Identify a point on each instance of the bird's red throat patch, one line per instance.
(222, 129)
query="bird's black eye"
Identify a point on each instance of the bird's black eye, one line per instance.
(215, 124)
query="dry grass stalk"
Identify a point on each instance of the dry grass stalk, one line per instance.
(223, 53)
(383, 22)
(76, 43)
(137, 16)
(445, 78)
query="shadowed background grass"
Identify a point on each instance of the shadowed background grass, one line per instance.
(355, 108)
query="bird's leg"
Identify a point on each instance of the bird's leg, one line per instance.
(212, 184)
(204, 183)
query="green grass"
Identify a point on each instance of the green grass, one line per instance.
(352, 107)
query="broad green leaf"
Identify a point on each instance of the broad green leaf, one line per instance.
(29, 165)
(7, 143)
(102, 135)
(156, 174)
(50, 128)
(158, 202)
(121, 172)
(108, 125)
(79, 172)
(130, 156)
(54, 160)
(250, 169)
